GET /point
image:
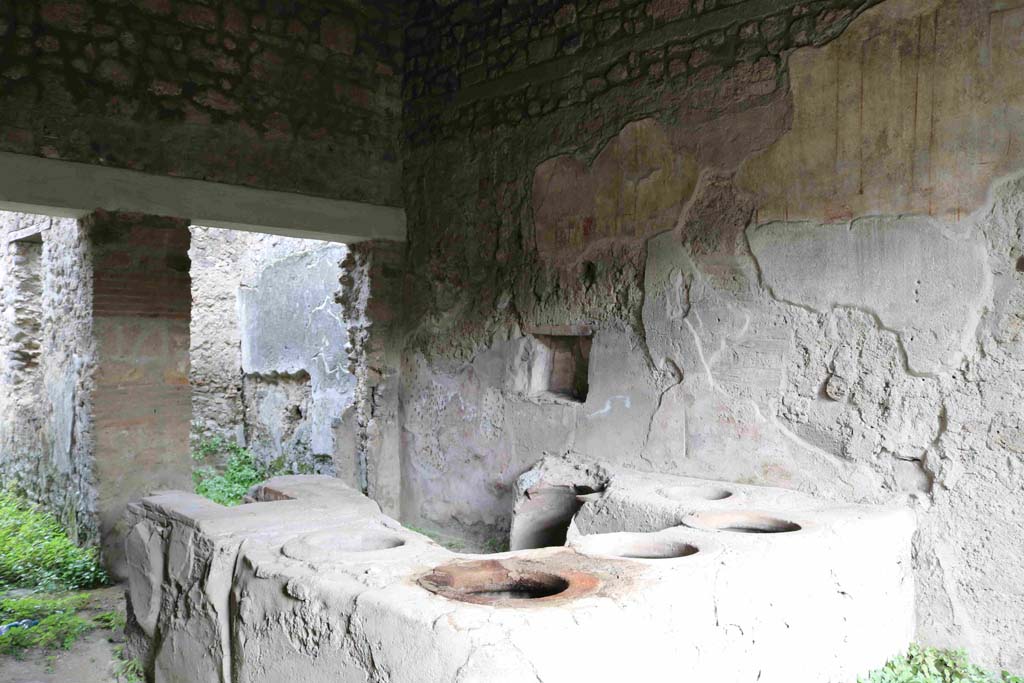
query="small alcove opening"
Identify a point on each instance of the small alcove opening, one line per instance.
(560, 365)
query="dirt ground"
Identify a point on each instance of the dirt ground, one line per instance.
(90, 660)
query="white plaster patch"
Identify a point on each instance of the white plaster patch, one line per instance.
(607, 409)
(919, 278)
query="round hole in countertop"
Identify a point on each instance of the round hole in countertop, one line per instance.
(524, 587)
(636, 547)
(505, 583)
(690, 492)
(361, 543)
(741, 522)
(340, 545)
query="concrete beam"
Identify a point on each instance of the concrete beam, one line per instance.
(63, 188)
(33, 233)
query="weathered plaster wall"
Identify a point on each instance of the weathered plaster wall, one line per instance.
(789, 226)
(21, 336)
(295, 96)
(269, 361)
(534, 172)
(911, 112)
(48, 361)
(371, 297)
(141, 402)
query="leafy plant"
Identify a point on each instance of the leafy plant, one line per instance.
(35, 551)
(210, 448)
(127, 670)
(57, 623)
(229, 483)
(932, 665)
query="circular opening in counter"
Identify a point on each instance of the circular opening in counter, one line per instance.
(741, 523)
(691, 492)
(504, 583)
(523, 587)
(636, 547)
(362, 543)
(338, 546)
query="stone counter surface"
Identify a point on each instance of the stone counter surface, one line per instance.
(656, 581)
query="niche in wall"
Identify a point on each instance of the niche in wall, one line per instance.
(560, 364)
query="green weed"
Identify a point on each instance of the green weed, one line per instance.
(496, 545)
(37, 607)
(59, 625)
(931, 665)
(127, 670)
(112, 620)
(35, 552)
(228, 483)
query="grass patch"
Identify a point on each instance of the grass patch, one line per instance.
(56, 622)
(35, 607)
(59, 624)
(113, 620)
(228, 483)
(35, 551)
(932, 665)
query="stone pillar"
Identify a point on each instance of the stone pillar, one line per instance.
(371, 296)
(142, 399)
(21, 336)
(46, 367)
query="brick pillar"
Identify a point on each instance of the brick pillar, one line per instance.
(142, 399)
